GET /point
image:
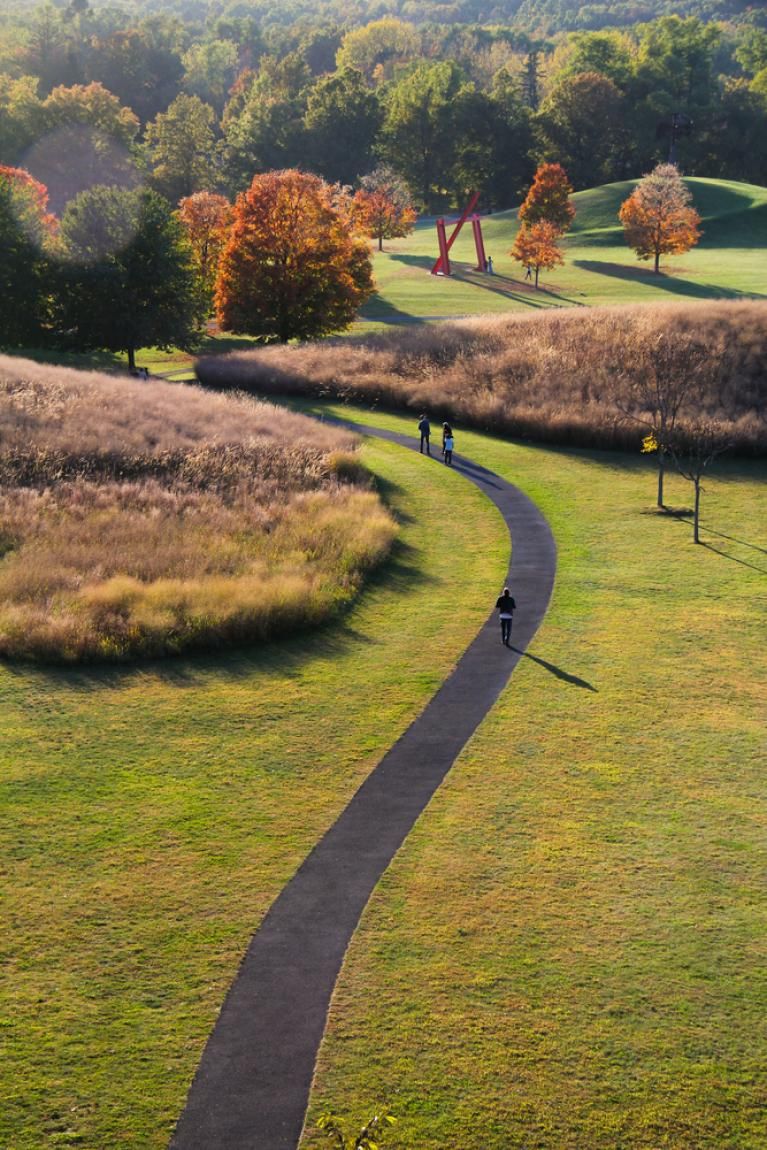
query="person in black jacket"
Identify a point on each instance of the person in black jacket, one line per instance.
(425, 429)
(506, 605)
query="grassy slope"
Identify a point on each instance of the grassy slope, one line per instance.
(569, 951)
(150, 816)
(599, 268)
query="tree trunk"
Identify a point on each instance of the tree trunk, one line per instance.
(131, 359)
(696, 517)
(536, 277)
(657, 262)
(661, 473)
(380, 241)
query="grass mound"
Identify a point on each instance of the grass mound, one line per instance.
(562, 376)
(150, 519)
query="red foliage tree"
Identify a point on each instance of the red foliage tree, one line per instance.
(29, 199)
(536, 247)
(548, 199)
(294, 266)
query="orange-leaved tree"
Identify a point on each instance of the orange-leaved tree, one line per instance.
(548, 200)
(206, 217)
(536, 247)
(658, 217)
(383, 206)
(294, 265)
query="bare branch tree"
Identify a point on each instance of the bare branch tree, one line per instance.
(659, 387)
(693, 450)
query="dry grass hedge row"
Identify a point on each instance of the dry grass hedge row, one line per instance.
(150, 519)
(564, 376)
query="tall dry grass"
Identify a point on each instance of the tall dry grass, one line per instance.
(565, 376)
(150, 520)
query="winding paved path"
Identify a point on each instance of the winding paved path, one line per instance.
(252, 1086)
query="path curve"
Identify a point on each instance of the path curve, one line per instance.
(252, 1086)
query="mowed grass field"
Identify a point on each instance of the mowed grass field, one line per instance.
(151, 815)
(569, 951)
(728, 263)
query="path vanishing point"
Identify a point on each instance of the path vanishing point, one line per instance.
(252, 1086)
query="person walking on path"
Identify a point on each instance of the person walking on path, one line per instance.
(446, 430)
(447, 448)
(425, 429)
(505, 604)
(489, 265)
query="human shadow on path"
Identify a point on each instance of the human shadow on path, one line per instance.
(557, 671)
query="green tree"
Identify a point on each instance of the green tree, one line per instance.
(264, 123)
(607, 52)
(128, 279)
(88, 138)
(144, 75)
(25, 230)
(210, 69)
(21, 116)
(581, 124)
(342, 120)
(378, 48)
(418, 139)
(180, 144)
(294, 267)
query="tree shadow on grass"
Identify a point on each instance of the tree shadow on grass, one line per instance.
(516, 291)
(683, 515)
(285, 654)
(565, 676)
(664, 281)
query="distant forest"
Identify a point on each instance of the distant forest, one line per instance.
(532, 17)
(201, 96)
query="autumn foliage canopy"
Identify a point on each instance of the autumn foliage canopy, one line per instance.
(536, 247)
(206, 218)
(549, 199)
(383, 207)
(658, 217)
(294, 265)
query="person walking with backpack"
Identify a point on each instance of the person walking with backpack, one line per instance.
(424, 428)
(505, 605)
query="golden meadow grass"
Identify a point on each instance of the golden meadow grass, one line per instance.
(147, 519)
(562, 377)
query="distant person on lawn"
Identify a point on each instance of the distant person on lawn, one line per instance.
(446, 430)
(425, 429)
(448, 447)
(505, 604)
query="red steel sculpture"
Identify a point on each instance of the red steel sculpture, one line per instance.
(442, 266)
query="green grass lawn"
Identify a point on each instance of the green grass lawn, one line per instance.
(728, 263)
(150, 816)
(569, 951)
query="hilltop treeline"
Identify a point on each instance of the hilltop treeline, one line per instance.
(569, 377)
(195, 98)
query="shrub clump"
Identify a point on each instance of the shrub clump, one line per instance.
(145, 520)
(568, 376)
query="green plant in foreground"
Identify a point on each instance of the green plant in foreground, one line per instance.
(369, 1137)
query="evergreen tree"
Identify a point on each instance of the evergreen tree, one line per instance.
(128, 280)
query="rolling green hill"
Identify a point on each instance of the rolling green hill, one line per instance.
(728, 263)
